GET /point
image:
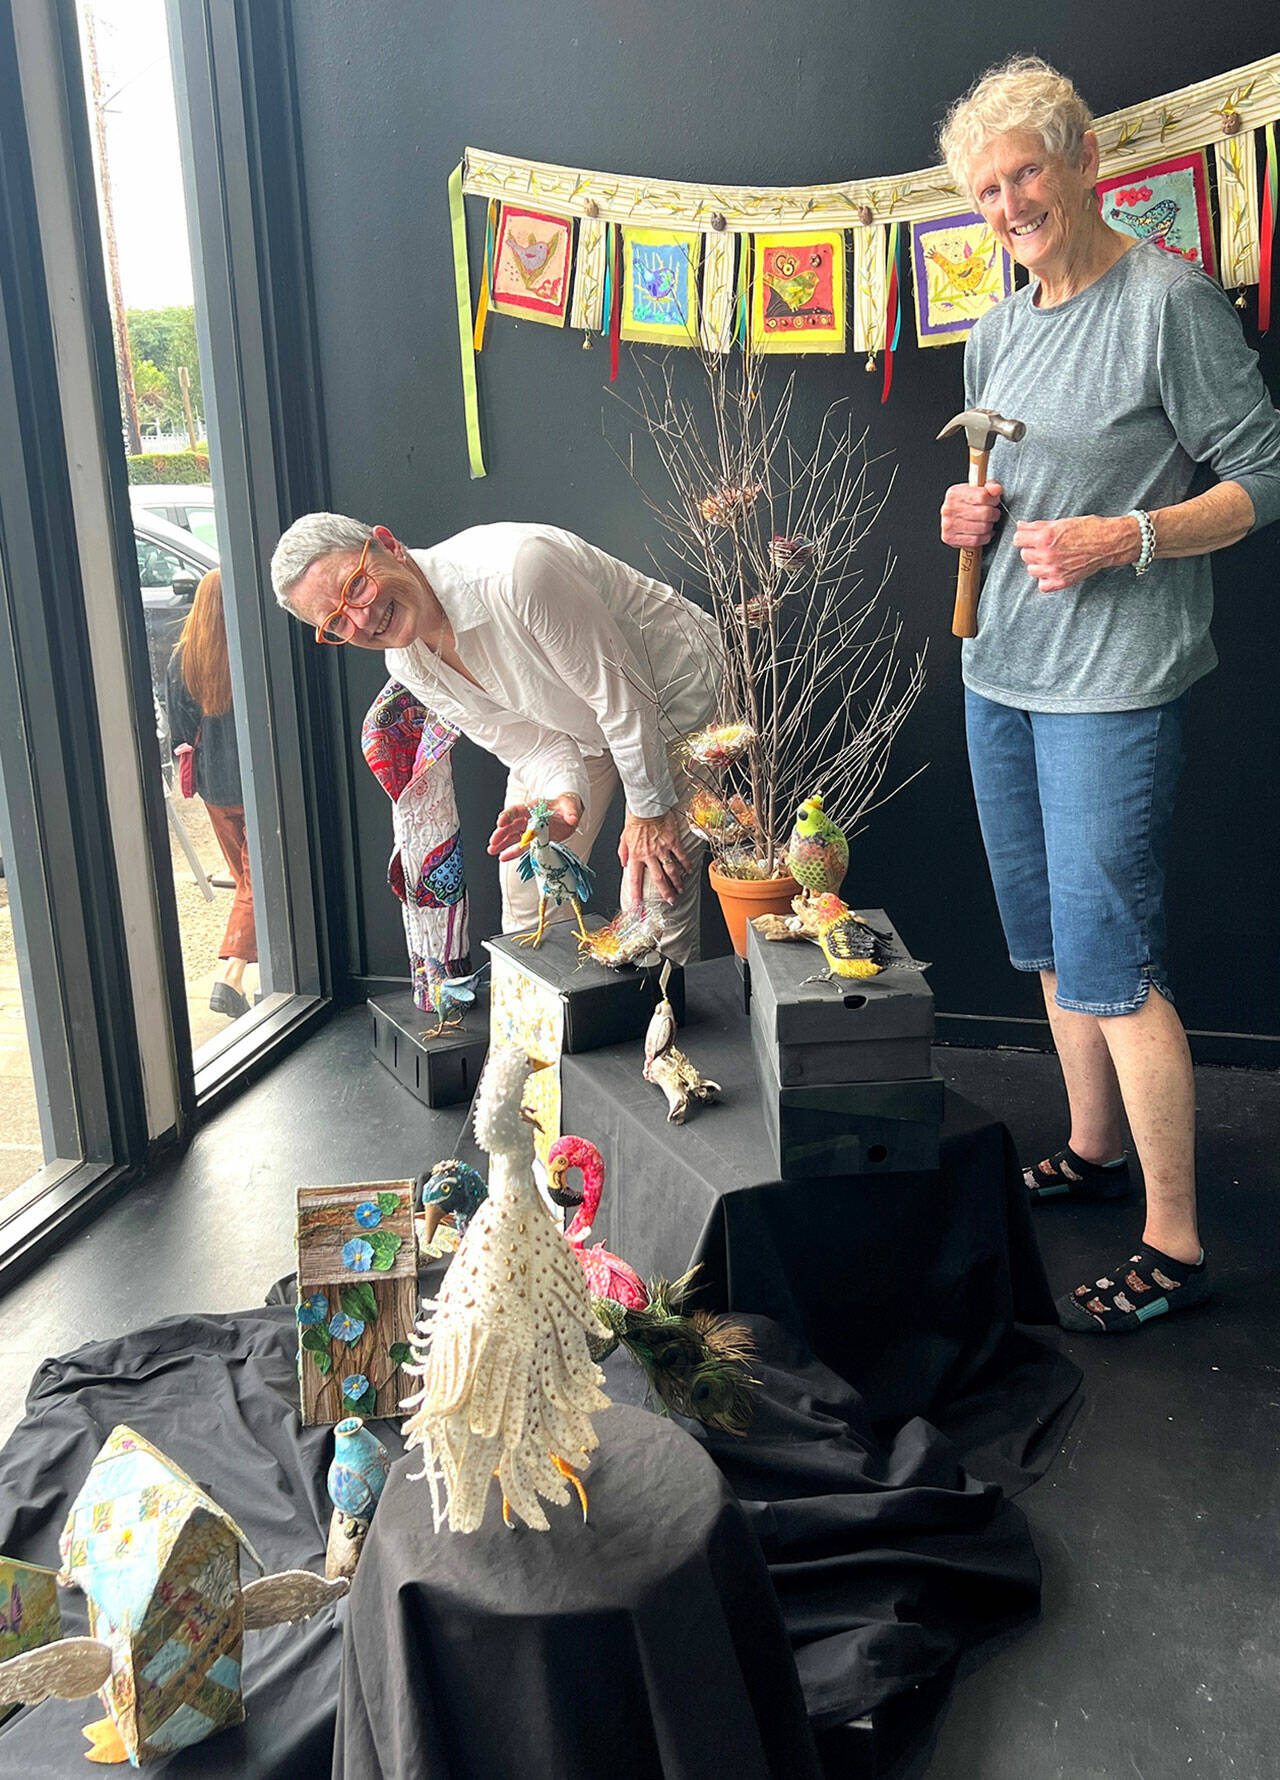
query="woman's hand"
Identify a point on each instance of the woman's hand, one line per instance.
(566, 813)
(970, 515)
(652, 844)
(1060, 553)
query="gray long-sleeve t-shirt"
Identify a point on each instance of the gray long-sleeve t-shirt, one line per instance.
(1130, 392)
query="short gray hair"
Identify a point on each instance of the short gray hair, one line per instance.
(1023, 94)
(306, 541)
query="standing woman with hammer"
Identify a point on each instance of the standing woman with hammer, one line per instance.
(1148, 441)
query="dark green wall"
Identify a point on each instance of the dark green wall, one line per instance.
(749, 93)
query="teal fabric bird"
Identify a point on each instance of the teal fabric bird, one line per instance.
(560, 875)
(452, 1188)
(448, 997)
(818, 853)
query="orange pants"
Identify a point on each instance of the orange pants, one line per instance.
(240, 940)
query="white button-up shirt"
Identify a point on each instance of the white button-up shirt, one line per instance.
(576, 654)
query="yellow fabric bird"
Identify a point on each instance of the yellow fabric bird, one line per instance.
(850, 945)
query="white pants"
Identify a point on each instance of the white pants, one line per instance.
(681, 922)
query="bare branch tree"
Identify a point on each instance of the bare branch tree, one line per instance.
(812, 670)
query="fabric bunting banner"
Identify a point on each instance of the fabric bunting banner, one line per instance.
(798, 293)
(784, 269)
(660, 286)
(531, 265)
(961, 271)
(1167, 202)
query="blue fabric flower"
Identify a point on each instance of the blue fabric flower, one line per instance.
(357, 1255)
(346, 1328)
(367, 1215)
(313, 1310)
(355, 1385)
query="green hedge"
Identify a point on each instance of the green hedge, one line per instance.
(168, 466)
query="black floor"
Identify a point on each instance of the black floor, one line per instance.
(1158, 1653)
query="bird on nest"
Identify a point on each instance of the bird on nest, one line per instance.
(560, 875)
(508, 1386)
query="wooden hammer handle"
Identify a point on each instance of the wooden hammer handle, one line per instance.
(964, 622)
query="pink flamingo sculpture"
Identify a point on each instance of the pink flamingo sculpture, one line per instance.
(607, 1275)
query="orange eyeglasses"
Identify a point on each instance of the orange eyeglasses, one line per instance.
(358, 590)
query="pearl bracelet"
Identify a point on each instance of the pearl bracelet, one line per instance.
(1147, 554)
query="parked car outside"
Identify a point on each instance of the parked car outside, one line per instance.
(171, 564)
(185, 504)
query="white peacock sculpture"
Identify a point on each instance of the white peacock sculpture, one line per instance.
(508, 1385)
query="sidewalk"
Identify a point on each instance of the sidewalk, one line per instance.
(200, 924)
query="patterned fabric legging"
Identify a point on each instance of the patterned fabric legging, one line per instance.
(240, 939)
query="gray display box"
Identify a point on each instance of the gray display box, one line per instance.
(437, 1071)
(850, 1128)
(818, 1034)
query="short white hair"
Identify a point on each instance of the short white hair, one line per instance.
(306, 541)
(1025, 95)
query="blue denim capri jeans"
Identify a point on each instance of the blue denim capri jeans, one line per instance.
(1076, 810)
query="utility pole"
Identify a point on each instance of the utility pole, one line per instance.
(124, 357)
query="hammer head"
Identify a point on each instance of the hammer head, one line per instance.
(983, 426)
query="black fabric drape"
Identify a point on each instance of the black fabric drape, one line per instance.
(887, 1557)
(644, 1645)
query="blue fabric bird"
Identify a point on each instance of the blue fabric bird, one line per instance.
(452, 1188)
(447, 995)
(561, 876)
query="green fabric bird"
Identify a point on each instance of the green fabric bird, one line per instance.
(697, 1364)
(818, 853)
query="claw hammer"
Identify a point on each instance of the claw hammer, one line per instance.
(982, 426)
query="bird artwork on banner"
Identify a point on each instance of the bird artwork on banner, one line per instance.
(449, 997)
(559, 874)
(818, 853)
(791, 283)
(532, 256)
(508, 1385)
(1153, 224)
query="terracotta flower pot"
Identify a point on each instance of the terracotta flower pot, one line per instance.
(741, 898)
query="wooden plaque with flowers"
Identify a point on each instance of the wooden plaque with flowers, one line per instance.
(357, 1298)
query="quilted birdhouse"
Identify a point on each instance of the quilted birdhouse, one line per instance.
(159, 1562)
(357, 1298)
(160, 1565)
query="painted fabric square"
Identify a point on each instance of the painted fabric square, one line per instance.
(531, 265)
(660, 286)
(1168, 203)
(961, 271)
(798, 293)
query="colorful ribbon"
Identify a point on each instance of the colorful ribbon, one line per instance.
(1267, 231)
(466, 336)
(744, 288)
(892, 314)
(615, 310)
(486, 275)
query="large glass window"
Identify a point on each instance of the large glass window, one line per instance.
(232, 900)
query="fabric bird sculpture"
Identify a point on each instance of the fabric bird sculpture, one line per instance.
(508, 1384)
(665, 1064)
(560, 875)
(607, 1275)
(818, 853)
(449, 997)
(451, 1189)
(850, 945)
